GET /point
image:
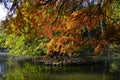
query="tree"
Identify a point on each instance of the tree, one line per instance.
(67, 25)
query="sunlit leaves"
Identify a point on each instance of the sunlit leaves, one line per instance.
(63, 22)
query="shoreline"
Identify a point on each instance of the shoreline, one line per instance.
(57, 60)
(67, 61)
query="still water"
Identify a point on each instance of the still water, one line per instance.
(12, 70)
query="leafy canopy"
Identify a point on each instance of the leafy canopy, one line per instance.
(67, 25)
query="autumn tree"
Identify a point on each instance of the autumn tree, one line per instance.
(71, 26)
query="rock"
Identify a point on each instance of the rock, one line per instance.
(60, 61)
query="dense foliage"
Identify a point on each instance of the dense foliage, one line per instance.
(62, 26)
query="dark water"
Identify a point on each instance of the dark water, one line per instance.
(12, 70)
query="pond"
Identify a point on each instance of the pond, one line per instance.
(12, 70)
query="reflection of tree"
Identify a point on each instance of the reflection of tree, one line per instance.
(26, 72)
(2, 69)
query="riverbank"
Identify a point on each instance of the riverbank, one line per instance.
(68, 61)
(58, 60)
(63, 60)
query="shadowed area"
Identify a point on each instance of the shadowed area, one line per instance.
(3, 56)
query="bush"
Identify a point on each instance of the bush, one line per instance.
(19, 45)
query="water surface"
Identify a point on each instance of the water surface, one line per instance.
(12, 70)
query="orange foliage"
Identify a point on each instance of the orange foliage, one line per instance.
(60, 22)
(48, 31)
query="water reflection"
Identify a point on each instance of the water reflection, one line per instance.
(2, 69)
(28, 71)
